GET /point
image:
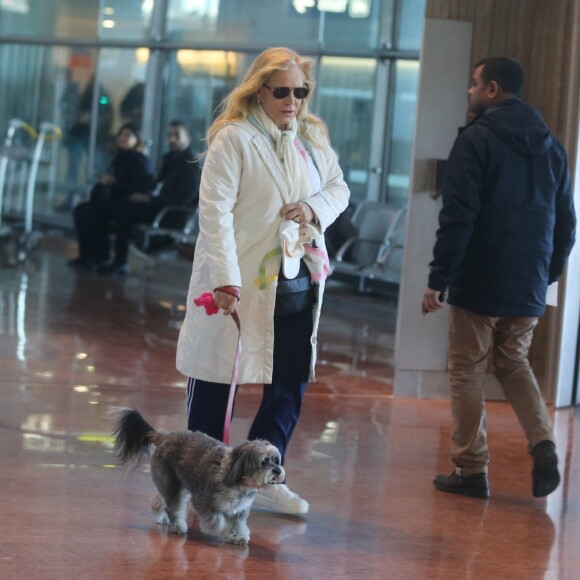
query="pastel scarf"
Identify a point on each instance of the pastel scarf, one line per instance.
(283, 141)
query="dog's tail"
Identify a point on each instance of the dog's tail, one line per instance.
(133, 436)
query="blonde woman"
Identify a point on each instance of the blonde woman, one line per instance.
(270, 180)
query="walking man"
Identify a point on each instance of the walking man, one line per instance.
(505, 232)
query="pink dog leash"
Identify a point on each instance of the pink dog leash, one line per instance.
(206, 300)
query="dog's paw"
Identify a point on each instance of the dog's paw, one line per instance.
(239, 540)
(159, 508)
(178, 527)
(158, 503)
(239, 535)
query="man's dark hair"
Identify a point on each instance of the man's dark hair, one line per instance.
(506, 72)
(179, 124)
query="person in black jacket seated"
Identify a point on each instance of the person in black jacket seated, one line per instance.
(177, 184)
(505, 232)
(130, 171)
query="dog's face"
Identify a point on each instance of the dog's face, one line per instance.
(254, 464)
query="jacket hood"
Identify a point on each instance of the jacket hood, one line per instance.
(520, 126)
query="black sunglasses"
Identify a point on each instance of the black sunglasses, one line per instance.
(282, 92)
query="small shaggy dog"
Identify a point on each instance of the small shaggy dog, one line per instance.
(220, 481)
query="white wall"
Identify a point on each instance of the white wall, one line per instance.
(421, 343)
(568, 363)
(570, 299)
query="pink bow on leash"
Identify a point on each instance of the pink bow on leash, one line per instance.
(206, 300)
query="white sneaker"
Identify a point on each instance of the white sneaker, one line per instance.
(279, 499)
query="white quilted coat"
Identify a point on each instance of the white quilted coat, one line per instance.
(242, 191)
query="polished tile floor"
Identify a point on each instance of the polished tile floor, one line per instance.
(74, 344)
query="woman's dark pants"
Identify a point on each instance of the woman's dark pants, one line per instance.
(281, 400)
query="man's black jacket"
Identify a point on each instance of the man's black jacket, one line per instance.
(507, 224)
(179, 178)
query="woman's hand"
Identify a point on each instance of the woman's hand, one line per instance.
(227, 298)
(299, 212)
(108, 179)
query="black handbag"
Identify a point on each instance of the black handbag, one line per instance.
(295, 295)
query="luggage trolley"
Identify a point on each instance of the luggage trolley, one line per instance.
(11, 158)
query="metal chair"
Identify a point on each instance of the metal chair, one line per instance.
(385, 274)
(376, 224)
(174, 224)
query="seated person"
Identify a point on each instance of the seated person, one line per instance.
(177, 184)
(130, 171)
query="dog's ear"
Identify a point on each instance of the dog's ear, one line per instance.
(242, 463)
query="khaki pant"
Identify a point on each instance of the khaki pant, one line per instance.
(472, 340)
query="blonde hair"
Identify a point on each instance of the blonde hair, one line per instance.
(244, 98)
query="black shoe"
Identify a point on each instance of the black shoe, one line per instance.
(113, 269)
(476, 485)
(545, 475)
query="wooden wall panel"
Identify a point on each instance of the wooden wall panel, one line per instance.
(536, 32)
(521, 31)
(500, 32)
(482, 27)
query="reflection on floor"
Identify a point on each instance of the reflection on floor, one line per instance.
(74, 344)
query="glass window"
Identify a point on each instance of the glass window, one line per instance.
(241, 22)
(47, 85)
(197, 82)
(302, 24)
(404, 111)
(122, 74)
(122, 19)
(126, 19)
(57, 84)
(72, 18)
(412, 18)
(352, 25)
(345, 103)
